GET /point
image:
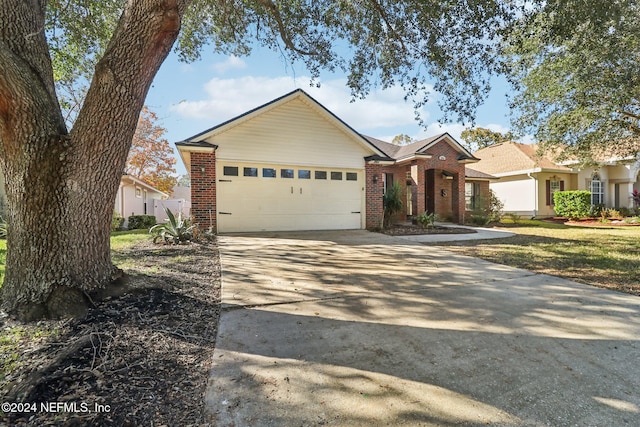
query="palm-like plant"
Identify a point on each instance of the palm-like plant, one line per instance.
(392, 201)
(176, 230)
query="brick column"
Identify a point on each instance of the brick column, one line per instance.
(373, 195)
(203, 190)
(458, 202)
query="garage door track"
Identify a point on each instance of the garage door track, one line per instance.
(356, 328)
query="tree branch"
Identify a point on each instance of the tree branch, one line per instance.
(140, 43)
(390, 27)
(282, 29)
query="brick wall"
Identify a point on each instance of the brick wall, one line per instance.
(373, 194)
(203, 189)
(449, 206)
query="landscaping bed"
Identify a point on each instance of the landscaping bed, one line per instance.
(141, 358)
(413, 229)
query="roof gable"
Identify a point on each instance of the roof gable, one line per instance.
(201, 138)
(513, 157)
(401, 152)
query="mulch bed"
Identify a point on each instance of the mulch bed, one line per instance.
(145, 356)
(412, 229)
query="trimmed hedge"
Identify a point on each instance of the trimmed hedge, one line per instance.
(137, 222)
(572, 204)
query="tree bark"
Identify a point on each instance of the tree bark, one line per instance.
(61, 186)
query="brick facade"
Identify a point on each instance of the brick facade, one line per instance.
(374, 189)
(203, 189)
(445, 192)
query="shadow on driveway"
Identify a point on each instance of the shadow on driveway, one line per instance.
(348, 329)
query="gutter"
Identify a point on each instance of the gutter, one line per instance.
(535, 198)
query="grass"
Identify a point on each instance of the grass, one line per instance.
(607, 257)
(124, 239)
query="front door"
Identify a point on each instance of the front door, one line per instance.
(429, 190)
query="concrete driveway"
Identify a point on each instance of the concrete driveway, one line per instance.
(356, 328)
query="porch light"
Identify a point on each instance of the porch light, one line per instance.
(375, 179)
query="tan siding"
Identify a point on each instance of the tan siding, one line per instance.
(293, 133)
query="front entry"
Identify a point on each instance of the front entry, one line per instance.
(429, 190)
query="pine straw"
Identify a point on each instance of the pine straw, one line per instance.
(145, 354)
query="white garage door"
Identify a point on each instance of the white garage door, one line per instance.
(285, 198)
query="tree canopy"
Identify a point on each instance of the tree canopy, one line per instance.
(478, 138)
(151, 157)
(409, 43)
(575, 64)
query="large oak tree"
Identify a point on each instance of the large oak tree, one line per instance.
(62, 169)
(575, 64)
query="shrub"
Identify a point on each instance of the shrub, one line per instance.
(489, 210)
(598, 210)
(572, 204)
(614, 213)
(392, 202)
(514, 217)
(3, 228)
(625, 212)
(116, 221)
(495, 207)
(175, 231)
(137, 222)
(480, 218)
(427, 220)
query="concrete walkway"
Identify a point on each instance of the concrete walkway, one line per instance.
(362, 329)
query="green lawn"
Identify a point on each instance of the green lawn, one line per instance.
(607, 257)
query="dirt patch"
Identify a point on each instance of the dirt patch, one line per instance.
(142, 358)
(411, 229)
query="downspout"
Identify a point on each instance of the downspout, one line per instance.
(535, 198)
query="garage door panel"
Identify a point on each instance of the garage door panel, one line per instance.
(283, 204)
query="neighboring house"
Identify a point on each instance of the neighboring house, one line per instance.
(291, 164)
(528, 180)
(136, 197)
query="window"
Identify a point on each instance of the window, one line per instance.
(352, 176)
(553, 185)
(268, 173)
(321, 174)
(304, 174)
(471, 195)
(597, 191)
(230, 171)
(138, 192)
(336, 176)
(250, 171)
(286, 173)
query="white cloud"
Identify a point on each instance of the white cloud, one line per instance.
(227, 98)
(231, 63)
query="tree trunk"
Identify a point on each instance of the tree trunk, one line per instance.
(61, 186)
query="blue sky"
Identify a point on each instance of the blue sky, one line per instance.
(189, 98)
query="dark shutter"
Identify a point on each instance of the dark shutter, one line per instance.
(561, 185)
(548, 192)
